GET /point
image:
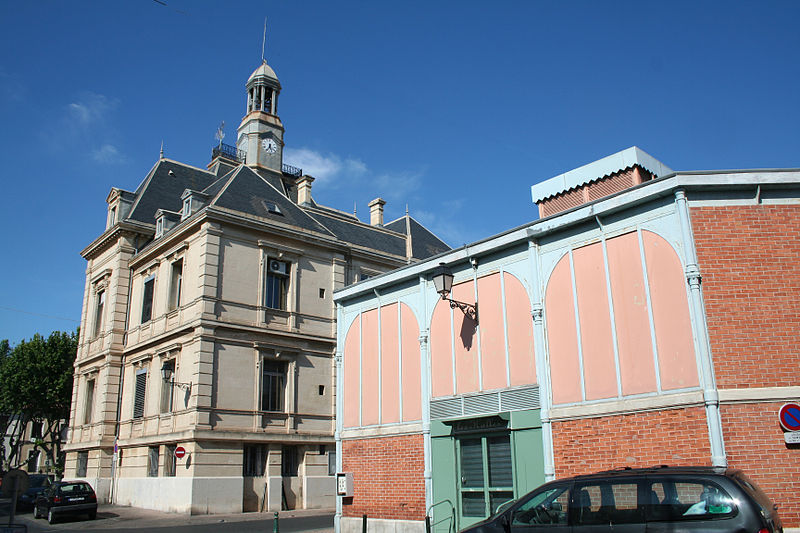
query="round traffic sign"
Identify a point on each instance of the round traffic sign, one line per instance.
(180, 452)
(789, 416)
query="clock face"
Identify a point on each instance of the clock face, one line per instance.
(269, 145)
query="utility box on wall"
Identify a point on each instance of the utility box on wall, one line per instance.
(344, 484)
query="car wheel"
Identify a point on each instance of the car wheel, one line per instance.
(36, 513)
(51, 518)
(92, 515)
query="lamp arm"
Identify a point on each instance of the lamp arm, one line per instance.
(184, 386)
(469, 310)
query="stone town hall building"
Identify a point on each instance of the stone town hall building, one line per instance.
(208, 324)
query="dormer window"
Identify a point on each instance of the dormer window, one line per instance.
(187, 208)
(159, 226)
(112, 216)
(272, 207)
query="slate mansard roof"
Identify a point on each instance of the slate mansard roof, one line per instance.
(243, 191)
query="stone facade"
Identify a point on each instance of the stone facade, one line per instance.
(208, 324)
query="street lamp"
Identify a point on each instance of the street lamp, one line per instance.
(443, 281)
(167, 375)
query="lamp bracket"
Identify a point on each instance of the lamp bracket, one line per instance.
(184, 386)
(468, 309)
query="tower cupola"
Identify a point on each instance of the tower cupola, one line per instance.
(263, 88)
(260, 135)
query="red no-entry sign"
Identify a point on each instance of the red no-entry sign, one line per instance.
(180, 452)
(789, 415)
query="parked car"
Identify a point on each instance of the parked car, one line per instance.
(64, 498)
(36, 484)
(661, 499)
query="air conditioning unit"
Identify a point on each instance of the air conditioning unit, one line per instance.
(278, 267)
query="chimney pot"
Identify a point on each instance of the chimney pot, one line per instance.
(376, 212)
(304, 189)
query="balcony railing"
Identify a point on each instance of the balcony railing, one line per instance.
(228, 152)
(292, 171)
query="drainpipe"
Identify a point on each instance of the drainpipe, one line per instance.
(700, 327)
(426, 396)
(337, 519)
(541, 359)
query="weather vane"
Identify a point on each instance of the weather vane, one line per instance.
(220, 133)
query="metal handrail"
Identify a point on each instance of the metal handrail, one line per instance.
(292, 171)
(228, 151)
(452, 518)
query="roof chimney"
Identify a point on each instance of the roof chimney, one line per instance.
(304, 189)
(376, 212)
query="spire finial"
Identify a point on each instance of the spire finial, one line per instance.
(264, 41)
(406, 209)
(355, 212)
(161, 155)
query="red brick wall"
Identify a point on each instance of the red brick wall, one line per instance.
(754, 443)
(388, 477)
(671, 437)
(749, 257)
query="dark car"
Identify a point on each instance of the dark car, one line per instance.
(66, 498)
(37, 483)
(661, 499)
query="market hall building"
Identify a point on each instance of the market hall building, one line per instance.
(649, 317)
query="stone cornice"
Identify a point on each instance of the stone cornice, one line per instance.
(112, 234)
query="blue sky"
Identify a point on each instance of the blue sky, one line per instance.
(455, 107)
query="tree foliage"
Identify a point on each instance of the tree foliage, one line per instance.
(36, 386)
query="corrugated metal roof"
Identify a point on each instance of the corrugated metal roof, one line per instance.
(596, 170)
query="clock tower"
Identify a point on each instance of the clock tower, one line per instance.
(260, 135)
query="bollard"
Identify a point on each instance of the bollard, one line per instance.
(275, 527)
(364, 524)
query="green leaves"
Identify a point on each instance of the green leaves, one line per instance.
(36, 376)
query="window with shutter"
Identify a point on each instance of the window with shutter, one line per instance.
(486, 478)
(87, 413)
(100, 302)
(83, 462)
(170, 461)
(147, 299)
(139, 393)
(254, 460)
(152, 461)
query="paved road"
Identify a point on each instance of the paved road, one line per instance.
(126, 519)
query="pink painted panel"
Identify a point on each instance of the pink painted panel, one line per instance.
(632, 322)
(466, 338)
(352, 363)
(599, 368)
(412, 377)
(493, 338)
(562, 337)
(520, 332)
(441, 352)
(369, 368)
(390, 361)
(676, 357)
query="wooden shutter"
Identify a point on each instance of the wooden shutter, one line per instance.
(139, 394)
